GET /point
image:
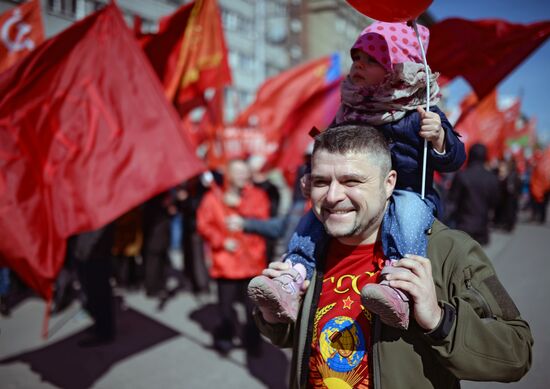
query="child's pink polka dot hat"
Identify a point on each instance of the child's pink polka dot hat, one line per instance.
(392, 43)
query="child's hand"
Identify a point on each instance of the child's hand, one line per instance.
(431, 130)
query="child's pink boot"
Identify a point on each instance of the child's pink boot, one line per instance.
(278, 298)
(391, 304)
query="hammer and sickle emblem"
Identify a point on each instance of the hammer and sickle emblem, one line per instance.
(19, 42)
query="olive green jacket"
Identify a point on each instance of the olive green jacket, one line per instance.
(488, 341)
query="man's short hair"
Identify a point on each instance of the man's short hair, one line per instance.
(356, 138)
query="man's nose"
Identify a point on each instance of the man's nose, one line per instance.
(335, 192)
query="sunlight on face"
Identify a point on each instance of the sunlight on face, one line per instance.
(349, 195)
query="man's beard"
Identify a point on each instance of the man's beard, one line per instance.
(357, 229)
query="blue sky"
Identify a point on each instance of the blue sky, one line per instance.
(531, 79)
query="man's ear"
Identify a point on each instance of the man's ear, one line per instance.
(389, 183)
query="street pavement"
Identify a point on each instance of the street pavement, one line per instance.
(171, 347)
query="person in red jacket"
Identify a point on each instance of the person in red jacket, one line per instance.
(236, 256)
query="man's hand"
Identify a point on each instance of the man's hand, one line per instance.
(234, 223)
(231, 199)
(275, 270)
(230, 244)
(420, 285)
(431, 130)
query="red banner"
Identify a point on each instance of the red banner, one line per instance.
(86, 134)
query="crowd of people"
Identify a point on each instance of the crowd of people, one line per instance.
(144, 241)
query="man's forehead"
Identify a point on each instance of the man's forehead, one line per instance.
(343, 162)
(325, 155)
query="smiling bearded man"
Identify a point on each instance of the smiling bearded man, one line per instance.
(350, 196)
(463, 323)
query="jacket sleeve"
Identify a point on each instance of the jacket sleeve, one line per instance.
(489, 341)
(271, 228)
(455, 154)
(210, 224)
(280, 334)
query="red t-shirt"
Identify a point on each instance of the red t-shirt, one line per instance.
(341, 328)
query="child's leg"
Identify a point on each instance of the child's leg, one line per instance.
(405, 225)
(278, 298)
(305, 241)
(404, 231)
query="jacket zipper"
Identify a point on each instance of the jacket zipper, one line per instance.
(306, 354)
(487, 312)
(375, 353)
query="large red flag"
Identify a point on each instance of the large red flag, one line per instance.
(86, 133)
(277, 106)
(483, 52)
(21, 30)
(482, 122)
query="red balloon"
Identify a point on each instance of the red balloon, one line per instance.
(391, 10)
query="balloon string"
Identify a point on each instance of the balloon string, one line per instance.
(427, 69)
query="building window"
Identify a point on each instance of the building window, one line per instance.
(229, 20)
(62, 7)
(233, 21)
(242, 62)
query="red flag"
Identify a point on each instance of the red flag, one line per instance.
(482, 123)
(21, 30)
(279, 99)
(212, 126)
(483, 52)
(540, 177)
(521, 136)
(318, 111)
(202, 60)
(163, 47)
(86, 134)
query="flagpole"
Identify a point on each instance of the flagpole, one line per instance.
(427, 70)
